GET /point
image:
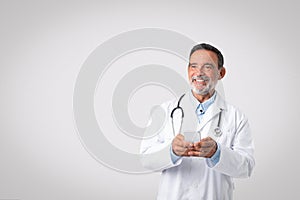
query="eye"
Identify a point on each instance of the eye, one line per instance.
(208, 66)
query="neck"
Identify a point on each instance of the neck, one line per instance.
(202, 98)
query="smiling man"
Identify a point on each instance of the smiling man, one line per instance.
(203, 168)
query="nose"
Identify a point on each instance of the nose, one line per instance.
(199, 71)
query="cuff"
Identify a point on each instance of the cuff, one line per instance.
(211, 162)
(174, 157)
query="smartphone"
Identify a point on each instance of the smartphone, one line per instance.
(192, 136)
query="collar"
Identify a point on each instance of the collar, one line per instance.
(201, 108)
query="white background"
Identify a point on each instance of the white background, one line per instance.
(43, 45)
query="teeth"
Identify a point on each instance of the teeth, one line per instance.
(199, 79)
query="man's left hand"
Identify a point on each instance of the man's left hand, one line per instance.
(204, 148)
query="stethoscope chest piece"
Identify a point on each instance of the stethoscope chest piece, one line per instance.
(218, 132)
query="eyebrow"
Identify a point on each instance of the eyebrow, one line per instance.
(202, 65)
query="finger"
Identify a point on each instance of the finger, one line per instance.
(206, 139)
(203, 141)
(182, 148)
(207, 144)
(196, 153)
(178, 146)
(203, 144)
(197, 144)
(188, 145)
(179, 150)
(209, 151)
(197, 147)
(180, 136)
(183, 144)
(201, 153)
(184, 152)
(178, 139)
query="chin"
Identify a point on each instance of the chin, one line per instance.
(202, 92)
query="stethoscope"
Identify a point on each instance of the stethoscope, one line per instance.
(217, 131)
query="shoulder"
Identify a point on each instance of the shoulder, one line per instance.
(233, 110)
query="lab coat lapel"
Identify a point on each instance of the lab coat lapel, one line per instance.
(190, 120)
(212, 111)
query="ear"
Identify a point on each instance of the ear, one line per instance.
(222, 73)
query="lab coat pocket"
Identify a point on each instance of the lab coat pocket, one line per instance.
(226, 138)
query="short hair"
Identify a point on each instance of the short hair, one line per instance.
(209, 47)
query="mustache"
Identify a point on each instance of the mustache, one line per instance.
(200, 78)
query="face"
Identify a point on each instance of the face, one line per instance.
(203, 72)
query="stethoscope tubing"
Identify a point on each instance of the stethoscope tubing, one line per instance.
(217, 130)
(182, 114)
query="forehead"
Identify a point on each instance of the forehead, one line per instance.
(204, 56)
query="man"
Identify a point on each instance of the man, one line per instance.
(205, 168)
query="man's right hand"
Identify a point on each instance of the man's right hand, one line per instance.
(181, 147)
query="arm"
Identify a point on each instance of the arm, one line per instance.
(237, 160)
(155, 150)
(234, 156)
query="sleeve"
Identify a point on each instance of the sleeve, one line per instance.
(215, 158)
(237, 160)
(174, 157)
(155, 152)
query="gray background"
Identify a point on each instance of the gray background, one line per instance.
(45, 43)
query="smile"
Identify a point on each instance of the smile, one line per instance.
(200, 78)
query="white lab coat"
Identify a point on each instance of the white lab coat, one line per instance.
(193, 177)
